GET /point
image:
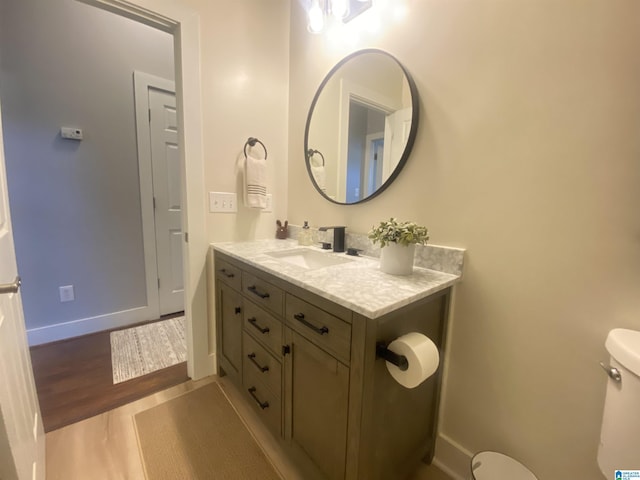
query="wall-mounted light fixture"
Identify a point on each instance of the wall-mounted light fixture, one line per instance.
(344, 10)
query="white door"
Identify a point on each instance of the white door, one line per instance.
(165, 159)
(397, 128)
(21, 431)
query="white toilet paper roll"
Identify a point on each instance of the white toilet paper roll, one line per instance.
(422, 355)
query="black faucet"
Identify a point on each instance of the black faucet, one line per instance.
(338, 237)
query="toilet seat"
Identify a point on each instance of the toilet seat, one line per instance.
(497, 466)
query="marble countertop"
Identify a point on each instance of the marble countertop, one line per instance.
(358, 285)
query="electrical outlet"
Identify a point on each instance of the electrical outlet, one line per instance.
(66, 293)
(223, 202)
(269, 207)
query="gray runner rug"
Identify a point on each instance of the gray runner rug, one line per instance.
(141, 350)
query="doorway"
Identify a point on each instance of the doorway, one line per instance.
(76, 202)
(182, 23)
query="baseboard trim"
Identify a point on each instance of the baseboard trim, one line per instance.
(83, 326)
(452, 458)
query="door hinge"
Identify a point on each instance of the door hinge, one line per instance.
(286, 349)
(186, 237)
(149, 115)
(158, 283)
(154, 203)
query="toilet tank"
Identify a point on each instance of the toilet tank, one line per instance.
(620, 432)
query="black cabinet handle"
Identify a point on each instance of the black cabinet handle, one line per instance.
(253, 289)
(253, 323)
(252, 392)
(252, 357)
(237, 310)
(320, 331)
(226, 274)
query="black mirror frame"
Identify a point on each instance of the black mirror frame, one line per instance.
(415, 117)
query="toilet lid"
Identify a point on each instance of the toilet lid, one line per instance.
(496, 466)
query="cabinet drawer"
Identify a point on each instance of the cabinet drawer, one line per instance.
(322, 328)
(256, 360)
(229, 274)
(264, 327)
(262, 292)
(266, 403)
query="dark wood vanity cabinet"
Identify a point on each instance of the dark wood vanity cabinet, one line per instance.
(309, 368)
(317, 406)
(230, 334)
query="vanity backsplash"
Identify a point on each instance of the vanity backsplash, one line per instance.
(433, 257)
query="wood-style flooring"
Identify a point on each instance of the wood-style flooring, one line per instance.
(105, 447)
(74, 380)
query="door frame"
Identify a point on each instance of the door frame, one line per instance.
(184, 24)
(142, 82)
(365, 96)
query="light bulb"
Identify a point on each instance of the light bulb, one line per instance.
(316, 18)
(339, 8)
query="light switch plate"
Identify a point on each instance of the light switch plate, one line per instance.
(223, 202)
(269, 207)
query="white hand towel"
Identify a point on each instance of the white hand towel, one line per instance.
(319, 176)
(255, 175)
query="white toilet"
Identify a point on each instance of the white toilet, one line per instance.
(620, 432)
(497, 466)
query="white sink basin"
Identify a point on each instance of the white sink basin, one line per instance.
(308, 258)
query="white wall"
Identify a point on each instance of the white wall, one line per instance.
(526, 155)
(75, 205)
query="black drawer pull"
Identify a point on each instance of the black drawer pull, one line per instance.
(253, 289)
(252, 357)
(226, 274)
(237, 310)
(253, 323)
(263, 405)
(319, 331)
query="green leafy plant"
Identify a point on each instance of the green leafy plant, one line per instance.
(402, 233)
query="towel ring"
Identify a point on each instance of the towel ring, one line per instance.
(251, 141)
(311, 152)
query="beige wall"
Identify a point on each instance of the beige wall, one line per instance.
(245, 62)
(528, 156)
(244, 73)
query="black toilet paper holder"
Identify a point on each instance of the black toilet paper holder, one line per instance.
(399, 361)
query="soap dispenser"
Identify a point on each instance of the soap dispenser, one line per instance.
(305, 237)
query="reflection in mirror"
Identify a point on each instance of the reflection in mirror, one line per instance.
(361, 127)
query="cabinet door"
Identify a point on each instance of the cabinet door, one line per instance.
(318, 392)
(230, 330)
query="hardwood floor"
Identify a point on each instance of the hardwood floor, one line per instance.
(74, 380)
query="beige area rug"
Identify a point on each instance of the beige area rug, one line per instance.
(141, 350)
(199, 436)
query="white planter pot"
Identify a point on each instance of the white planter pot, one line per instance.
(397, 259)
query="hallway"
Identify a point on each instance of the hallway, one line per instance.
(74, 379)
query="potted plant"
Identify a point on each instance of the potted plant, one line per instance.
(398, 241)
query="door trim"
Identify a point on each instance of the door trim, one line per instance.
(142, 82)
(184, 24)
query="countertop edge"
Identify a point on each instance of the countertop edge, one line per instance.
(447, 280)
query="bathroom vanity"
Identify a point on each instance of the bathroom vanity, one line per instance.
(297, 334)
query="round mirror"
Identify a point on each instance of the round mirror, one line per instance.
(361, 127)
